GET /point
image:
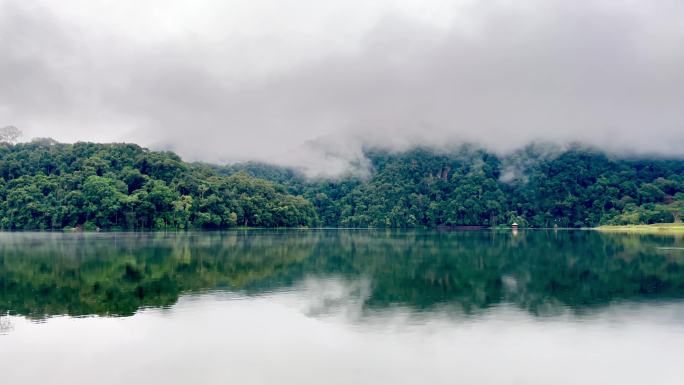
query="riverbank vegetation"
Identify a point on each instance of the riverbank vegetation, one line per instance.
(49, 185)
(537, 186)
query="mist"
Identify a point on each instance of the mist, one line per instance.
(309, 84)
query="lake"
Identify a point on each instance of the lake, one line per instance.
(341, 307)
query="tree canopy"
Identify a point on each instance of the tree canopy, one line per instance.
(537, 186)
(9, 134)
(48, 185)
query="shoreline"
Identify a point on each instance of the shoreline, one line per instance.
(658, 228)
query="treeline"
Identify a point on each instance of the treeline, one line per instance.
(537, 186)
(50, 185)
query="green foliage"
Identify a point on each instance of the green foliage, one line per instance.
(538, 186)
(48, 185)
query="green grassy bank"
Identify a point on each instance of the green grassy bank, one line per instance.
(654, 228)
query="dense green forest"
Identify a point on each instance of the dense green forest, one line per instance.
(537, 186)
(49, 185)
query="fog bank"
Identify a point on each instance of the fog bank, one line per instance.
(309, 83)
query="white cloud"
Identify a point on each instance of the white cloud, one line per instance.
(264, 79)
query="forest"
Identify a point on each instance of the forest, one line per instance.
(540, 185)
(49, 185)
(88, 186)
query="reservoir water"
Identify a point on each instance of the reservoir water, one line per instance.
(341, 307)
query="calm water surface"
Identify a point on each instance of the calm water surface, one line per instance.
(341, 307)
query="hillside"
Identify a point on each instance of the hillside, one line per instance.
(49, 185)
(537, 186)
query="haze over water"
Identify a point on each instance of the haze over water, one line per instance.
(341, 307)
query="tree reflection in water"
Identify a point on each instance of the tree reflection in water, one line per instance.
(115, 274)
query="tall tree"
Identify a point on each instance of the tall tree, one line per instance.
(10, 134)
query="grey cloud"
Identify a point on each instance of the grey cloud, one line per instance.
(607, 73)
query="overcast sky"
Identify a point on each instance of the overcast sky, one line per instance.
(307, 82)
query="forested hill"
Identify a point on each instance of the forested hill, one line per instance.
(539, 186)
(49, 185)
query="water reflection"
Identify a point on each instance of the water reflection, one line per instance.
(341, 307)
(6, 325)
(222, 337)
(540, 272)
